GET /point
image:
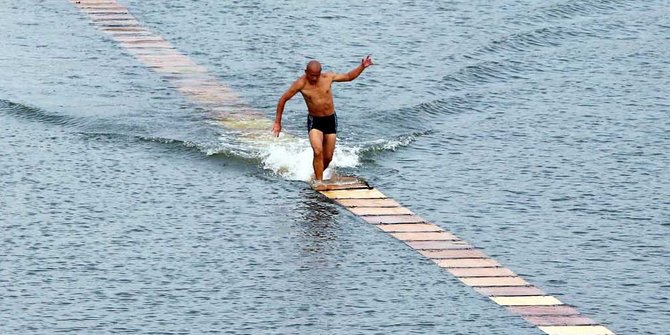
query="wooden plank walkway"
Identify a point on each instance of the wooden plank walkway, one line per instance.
(458, 257)
(467, 263)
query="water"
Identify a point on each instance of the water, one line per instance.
(536, 130)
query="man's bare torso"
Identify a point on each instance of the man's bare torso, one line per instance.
(319, 96)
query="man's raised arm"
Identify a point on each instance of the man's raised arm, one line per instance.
(353, 74)
(293, 90)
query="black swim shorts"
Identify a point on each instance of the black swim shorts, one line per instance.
(326, 124)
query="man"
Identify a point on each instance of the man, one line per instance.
(315, 88)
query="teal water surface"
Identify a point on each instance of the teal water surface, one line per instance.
(537, 130)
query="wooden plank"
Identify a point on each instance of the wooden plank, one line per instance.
(494, 281)
(543, 310)
(146, 43)
(354, 194)
(90, 11)
(367, 203)
(339, 182)
(335, 187)
(185, 70)
(439, 245)
(576, 330)
(141, 38)
(117, 23)
(100, 6)
(438, 254)
(569, 320)
(509, 291)
(391, 219)
(361, 211)
(482, 272)
(539, 300)
(429, 236)
(466, 263)
(411, 227)
(213, 90)
(114, 34)
(172, 67)
(89, 2)
(108, 17)
(127, 29)
(175, 63)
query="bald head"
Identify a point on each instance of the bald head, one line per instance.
(313, 66)
(313, 71)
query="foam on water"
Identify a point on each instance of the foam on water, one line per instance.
(293, 160)
(291, 157)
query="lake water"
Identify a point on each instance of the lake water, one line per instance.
(537, 130)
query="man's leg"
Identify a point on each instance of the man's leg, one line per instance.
(328, 149)
(316, 140)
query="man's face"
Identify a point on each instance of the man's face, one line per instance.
(313, 75)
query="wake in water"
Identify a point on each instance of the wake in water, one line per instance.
(291, 157)
(246, 138)
(293, 160)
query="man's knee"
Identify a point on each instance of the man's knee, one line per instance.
(327, 157)
(318, 152)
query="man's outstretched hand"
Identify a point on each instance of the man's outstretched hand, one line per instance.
(367, 61)
(276, 129)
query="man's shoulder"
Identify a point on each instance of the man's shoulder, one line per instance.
(329, 76)
(300, 82)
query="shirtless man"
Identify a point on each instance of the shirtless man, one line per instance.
(315, 88)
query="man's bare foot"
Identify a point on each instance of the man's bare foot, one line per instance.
(318, 185)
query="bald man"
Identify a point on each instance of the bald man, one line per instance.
(315, 88)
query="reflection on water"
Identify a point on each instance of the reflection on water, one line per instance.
(318, 227)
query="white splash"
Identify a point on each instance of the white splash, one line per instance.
(293, 159)
(290, 156)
